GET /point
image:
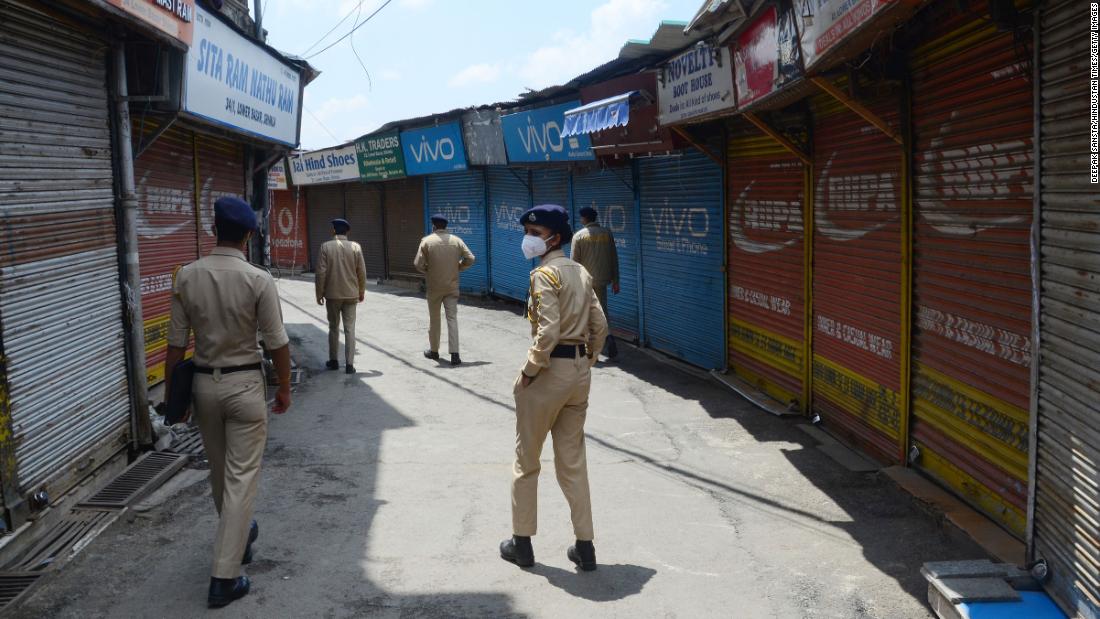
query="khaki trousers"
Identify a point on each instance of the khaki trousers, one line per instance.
(345, 309)
(231, 412)
(450, 305)
(610, 348)
(555, 403)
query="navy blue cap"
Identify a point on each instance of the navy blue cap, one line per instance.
(588, 213)
(340, 225)
(439, 219)
(235, 210)
(550, 216)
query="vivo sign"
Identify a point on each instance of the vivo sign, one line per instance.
(535, 136)
(434, 150)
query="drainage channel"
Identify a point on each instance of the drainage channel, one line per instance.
(85, 522)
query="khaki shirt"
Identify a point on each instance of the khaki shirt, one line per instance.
(342, 273)
(594, 248)
(442, 256)
(226, 301)
(563, 309)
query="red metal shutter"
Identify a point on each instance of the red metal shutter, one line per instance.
(857, 274)
(165, 179)
(220, 173)
(289, 237)
(404, 205)
(364, 213)
(766, 268)
(973, 190)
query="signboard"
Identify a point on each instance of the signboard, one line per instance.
(276, 176)
(535, 136)
(433, 150)
(696, 83)
(756, 60)
(324, 166)
(824, 24)
(173, 17)
(380, 157)
(484, 138)
(233, 82)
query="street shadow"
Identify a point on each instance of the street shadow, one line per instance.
(368, 374)
(608, 583)
(465, 364)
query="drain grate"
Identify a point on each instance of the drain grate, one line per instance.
(187, 443)
(141, 478)
(13, 586)
(65, 538)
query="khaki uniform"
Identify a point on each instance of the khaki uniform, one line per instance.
(341, 279)
(226, 301)
(563, 309)
(441, 257)
(594, 248)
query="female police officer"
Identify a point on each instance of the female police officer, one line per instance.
(569, 329)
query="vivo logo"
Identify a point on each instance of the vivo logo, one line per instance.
(612, 217)
(669, 221)
(455, 214)
(440, 149)
(544, 138)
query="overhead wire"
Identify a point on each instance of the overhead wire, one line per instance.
(351, 32)
(358, 7)
(370, 82)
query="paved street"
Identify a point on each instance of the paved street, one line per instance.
(387, 493)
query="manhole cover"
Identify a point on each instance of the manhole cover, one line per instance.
(142, 477)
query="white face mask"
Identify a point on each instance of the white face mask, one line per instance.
(533, 246)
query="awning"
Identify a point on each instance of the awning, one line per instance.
(598, 115)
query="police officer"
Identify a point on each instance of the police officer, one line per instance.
(442, 256)
(594, 248)
(568, 327)
(341, 283)
(226, 302)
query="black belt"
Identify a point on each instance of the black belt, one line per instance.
(567, 351)
(229, 370)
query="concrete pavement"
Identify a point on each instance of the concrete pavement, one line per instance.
(386, 493)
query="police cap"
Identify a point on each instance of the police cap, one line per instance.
(236, 211)
(340, 225)
(550, 216)
(439, 220)
(588, 213)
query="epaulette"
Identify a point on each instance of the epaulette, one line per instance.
(554, 281)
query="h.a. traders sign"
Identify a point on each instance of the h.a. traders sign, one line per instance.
(696, 83)
(233, 82)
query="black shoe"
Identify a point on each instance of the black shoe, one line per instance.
(431, 354)
(253, 533)
(455, 359)
(349, 369)
(584, 555)
(333, 364)
(518, 550)
(225, 591)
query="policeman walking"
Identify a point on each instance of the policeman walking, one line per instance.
(442, 256)
(341, 283)
(226, 302)
(568, 327)
(594, 249)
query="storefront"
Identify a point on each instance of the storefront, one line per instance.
(326, 177)
(363, 205)
(509, 197)
(289, 231)
(403, 211)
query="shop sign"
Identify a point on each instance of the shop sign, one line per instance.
(380, 157)
(696, 83)
(535, 136)
(433, 150)
(330, 165)
(173, 17)
(235, 83)
(824, 24)
(276, 176)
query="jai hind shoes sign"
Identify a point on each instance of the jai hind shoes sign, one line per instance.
(324, 166)
(695, 83)
(235, 83)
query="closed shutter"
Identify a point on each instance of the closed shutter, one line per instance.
(167, 229)
(323, 204)
(508, 198)
(973, 186)
(857, 275)
(611, 193)
(404, 204)
(365, 216)
(220, 174)
(682, 247)
(289, 239)
(1066, 524)
(766, 266)
(460, 197)
(551, 186)
(60, 300)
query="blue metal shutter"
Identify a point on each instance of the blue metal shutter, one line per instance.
(460, 197)
(509, 196)
(551, 186)
(611, 193)
(682, 257)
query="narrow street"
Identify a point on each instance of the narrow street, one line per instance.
(386, 493)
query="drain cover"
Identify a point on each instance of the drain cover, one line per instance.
(142, 477)
(65, 538)
(188, 443)
(13, 585)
